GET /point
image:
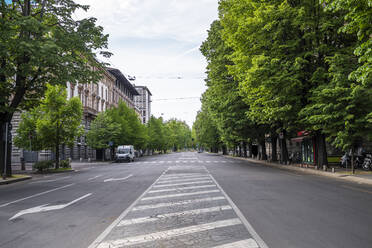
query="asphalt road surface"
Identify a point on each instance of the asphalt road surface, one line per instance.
(185, 200)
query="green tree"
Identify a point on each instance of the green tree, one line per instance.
(41, 42)
(57, 121)
(178, 134)
(103, 130)
(206, 132)
(156, 132)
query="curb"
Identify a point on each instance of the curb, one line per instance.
(344, 177)
(14, 180)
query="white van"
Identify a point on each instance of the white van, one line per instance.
(124, 153)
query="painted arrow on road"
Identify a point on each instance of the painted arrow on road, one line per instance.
(117, 179)
(45, 207)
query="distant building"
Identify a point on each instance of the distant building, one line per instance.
(143, 102)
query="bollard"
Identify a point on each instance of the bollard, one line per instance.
(333, 170)
(89, 160)
(316, 167)
(324, 167)
(81, 159)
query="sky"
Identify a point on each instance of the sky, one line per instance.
(158, 41)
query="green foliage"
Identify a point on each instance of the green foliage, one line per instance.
(103, 130)
(40, 41)
(178, 134)
(288, 65)
(65, 164)
(206, 132)
(54, 122)
(156, 132)
(41, 166)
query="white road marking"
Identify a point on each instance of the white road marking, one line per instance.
(32, 196)
(184, 202)
(247, 243)
(206, 177)
(51, 180)
(45, 208)
(248, 225)
(178, 184)
(182, 188)
(179, 195)
(121, 216)
(176, 214)
(169, 233)
(94, 177)
(183, 175)
(117, 179)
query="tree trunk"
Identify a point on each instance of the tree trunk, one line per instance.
(250, 152)
(245, 149)
(57, 156)
(284, 150)
(274, 138)
(263, 150)
(240, 150)
(5, 166)
(224, 150)
(321, 150)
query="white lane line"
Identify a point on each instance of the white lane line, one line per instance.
(183, 180)
(135, 240)
(94, 177)
(176, 214)
(170, 204)
(248, 225)
(182, 188)
(178, 184)
(117, 179)
(184, 175)
(248, 243)
(46, 207)
(103, 235)
(51, 180)
(38, 194)
(179, 195)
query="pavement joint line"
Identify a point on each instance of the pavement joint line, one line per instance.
(246, 223)
(247, 243)
(104, 234)
(175, 214)
(140, 239)
(185, 183)
(183, 202)
(179, 195)
(35, 195)
(184, 180)
(182, 188)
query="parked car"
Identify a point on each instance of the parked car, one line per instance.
(125, 153)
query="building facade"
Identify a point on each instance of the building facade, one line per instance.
(143, 103)
(95, 98)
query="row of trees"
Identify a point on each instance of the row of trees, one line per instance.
(121, 125)
(284, 66)
(56, 124)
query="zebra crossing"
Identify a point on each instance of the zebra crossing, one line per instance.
(185, 207)
(185, 162)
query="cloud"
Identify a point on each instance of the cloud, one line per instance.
(185, 20)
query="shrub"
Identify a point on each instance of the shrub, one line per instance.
(65, 163)
(43, 165)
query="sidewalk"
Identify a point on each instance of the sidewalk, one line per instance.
(361, 177)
